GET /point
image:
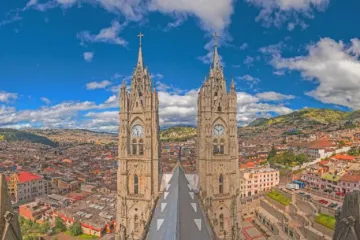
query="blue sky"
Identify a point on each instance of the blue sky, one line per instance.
(61, 61)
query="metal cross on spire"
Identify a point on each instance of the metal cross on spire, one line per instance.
(140, 36)
(215, 39)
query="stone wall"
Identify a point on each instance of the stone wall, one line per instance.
(272, 210)
(329, 232)
(277, 204)
(311, 234)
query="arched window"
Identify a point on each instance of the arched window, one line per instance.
(136, 223)
(141, 147)
(221, 222)
(222, 143)
(221, 184)
(136, 184)
(215, 147)
(134, 147)
(137, 104)
(215, 94)
(219, 108)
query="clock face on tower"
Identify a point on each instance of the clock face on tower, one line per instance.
(137, 131)
(218, 130)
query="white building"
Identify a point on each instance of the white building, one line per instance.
(256, 180)
(25, 186)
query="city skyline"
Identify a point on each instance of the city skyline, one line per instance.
(63, 69)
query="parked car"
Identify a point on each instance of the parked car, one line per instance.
(301, 193)
(322, 201)
(333, 205)
(308, 196)
(328, 190)
(340, 194)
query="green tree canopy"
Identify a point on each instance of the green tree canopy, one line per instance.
(60, 225)
(75, 229)
(272, 153)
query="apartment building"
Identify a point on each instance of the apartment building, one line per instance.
(256, 180)
(25, 186)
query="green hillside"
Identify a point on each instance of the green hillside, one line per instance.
(308, 116)
(16, 135)
(177, 134)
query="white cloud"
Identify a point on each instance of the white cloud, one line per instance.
(213, 14)
(249, 61)
(249, 78)
(176, 108)
(98, 85)
(244, 46)
(273, 96)
(278, 12)
(88, 56)
(333, 66)
(45, 100)
(7, 97)
(157, 76)
(106, 35)
(112, 100)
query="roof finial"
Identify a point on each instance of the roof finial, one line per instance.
(215, 39)
(140, 57)
(216, 54)
(232, 84)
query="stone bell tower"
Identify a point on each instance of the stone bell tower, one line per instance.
(217, 151)
(138, 161)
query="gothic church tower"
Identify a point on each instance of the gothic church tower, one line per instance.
(217, 151)
(139, 149)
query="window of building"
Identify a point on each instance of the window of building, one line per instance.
(215, 147)
(221, 222)
(141, 147)
(136, 184)
(221, 184)
(134, 147)
(222, 146)
(136, 223)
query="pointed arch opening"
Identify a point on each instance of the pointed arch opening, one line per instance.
(221, 183)
(215, 147)
(136, 223)
(141, 147)
(221, 222)
(136, 184)
(222, 146)
(134, 147)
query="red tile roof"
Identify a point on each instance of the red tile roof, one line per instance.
(348, 177)
(344, 157)
(247, 165)
(27, 177)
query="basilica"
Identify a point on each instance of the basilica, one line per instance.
(150, 206)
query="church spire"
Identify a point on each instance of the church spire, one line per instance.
(216, 54)
(140, 62)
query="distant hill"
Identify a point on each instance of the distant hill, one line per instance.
(177, 134)
(16, 135)
(307, 117)
(258, 122)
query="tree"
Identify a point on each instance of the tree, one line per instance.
(341, 143)
(75, 229)
(301, 158)
(272, 153)
(60, 225)
(354, 151)
(45, 227)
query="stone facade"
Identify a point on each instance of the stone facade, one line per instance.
(138, 163)
(217, 152)
(348, 220)
(9, 224)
